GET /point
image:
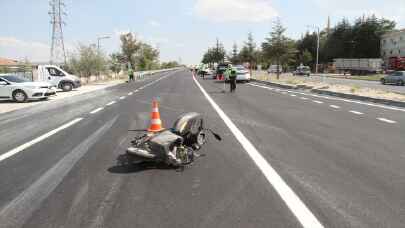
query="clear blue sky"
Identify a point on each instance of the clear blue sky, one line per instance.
(181, 28)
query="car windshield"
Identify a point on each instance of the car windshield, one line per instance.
(15, 79)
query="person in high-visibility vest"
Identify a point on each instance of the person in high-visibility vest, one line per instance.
(130, 74)
(232, 78)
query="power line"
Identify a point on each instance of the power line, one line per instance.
(57, 11)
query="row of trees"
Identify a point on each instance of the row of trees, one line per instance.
(358, 40)
(134, 53)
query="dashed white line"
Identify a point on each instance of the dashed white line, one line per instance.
(294, 203)
(135, 91)
(318, 102)
(129, 94)
(96, 110)
(356, 112)
(37, 140)
(303, 98)
(386, 120)
(293, 95)
(334, 106)
(123, 97)
(111, 103)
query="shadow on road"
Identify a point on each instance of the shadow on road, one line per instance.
(137, 168)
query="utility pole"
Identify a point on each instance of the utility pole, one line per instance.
(317, 47)
(57, 11)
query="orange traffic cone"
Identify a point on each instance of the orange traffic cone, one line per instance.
(155, 122)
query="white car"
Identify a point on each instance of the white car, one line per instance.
(21, 90)
(242, 74)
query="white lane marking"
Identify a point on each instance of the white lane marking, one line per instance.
(334, 106)
(318, 102)
(129, 94)
(356, 112)
(96, 110)
(293, 95)
(135, 91)
(37, 140)
(294, 203)
(386, 120)
(123, 97)
(21, 208)
(111, 103)
(345, 100)
(303, 98)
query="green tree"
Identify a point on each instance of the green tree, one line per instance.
(87, 61)
(129, 46)
(277, 47)
(116, 62)
(147, 57)
(235, 54)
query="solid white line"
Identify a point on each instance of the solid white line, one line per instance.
(334, 106)
(111, 103)
(96, 110)
(122, 98)
(37, 140)
(386, 120)
(298, 208)
(356, 112)
(318, 102)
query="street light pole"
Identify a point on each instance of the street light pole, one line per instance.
(98, 48)
(317, 52)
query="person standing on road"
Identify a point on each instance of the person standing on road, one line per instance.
(232, 78)
(130, 74)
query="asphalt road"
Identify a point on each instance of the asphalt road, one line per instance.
(288, 159)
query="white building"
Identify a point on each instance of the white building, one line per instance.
(393, 45)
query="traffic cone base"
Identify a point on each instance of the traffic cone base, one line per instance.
(155, 122)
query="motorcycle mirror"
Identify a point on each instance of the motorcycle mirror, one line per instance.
(217, 137)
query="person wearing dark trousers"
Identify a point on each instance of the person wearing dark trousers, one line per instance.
(130, 74)
(232, 79)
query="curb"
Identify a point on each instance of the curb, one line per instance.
(336, 94)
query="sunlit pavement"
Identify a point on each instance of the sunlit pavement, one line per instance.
(287, 160)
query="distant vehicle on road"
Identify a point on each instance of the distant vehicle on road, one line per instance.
(397, 78)
(221, 68)
(21, 89)
(57, 77)
(358, 66)
(303, 70)
(273, 69)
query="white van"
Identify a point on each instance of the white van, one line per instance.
(56, 77)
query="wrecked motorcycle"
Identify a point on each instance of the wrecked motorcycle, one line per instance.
(174, 147)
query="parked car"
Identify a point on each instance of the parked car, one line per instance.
(303, 70)
(21, 89)
(57, 77)
(397, 77)
(242, 74)
(273, 69)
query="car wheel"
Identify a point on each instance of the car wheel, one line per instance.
(67, 87)
(20, 96)
(383, 81)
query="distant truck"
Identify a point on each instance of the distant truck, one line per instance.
(56, 77)
(396, 63)
(359, 66)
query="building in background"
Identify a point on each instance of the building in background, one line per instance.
(8, 62)
(393, 45)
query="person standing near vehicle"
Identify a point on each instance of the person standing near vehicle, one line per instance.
(130, 74)
(232, 78)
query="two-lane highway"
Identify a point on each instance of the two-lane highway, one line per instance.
(287, 160)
